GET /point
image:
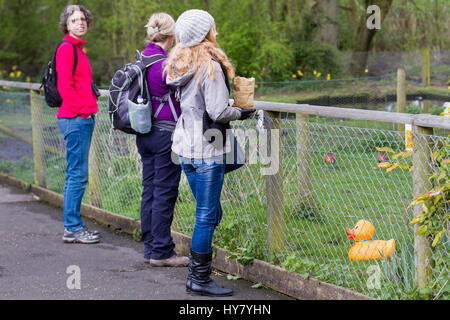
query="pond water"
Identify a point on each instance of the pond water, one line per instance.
(391, 106)
(387, 102)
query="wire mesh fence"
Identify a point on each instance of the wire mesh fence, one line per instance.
(327, 177)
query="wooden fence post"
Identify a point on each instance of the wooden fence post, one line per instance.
(421, 169)
(401, 95)
(36, 106)
(426, 76)
(304, 191)
(95, 177)
(274, 183)
(426, 67)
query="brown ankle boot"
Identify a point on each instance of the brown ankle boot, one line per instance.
(174, 261)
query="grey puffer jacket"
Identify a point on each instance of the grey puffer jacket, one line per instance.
(200, 93)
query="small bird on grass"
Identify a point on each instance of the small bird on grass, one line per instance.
(383, 156)
(330, 158)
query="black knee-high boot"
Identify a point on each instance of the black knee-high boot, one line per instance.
(198, 281)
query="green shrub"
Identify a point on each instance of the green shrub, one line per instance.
(436, 110)
(323, 58)
(413, 109)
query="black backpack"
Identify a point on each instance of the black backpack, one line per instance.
(128, 83)
(49, 80)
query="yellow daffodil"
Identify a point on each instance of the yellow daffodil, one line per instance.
(27, 79)
(14, 68)
(314, 72)
(328, 76)
(11, 75)
(5, 87)
(366, 70)
(294, 76)
(18, 74)
(300, 73)
(318, 75)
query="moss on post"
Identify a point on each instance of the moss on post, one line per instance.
(274, 183)
(95, 177)
(36, 105)
(421, 170)
(401, 95)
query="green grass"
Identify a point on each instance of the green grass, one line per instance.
(15, 120)
(22, 169)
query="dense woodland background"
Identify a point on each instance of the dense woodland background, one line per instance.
(268, 39)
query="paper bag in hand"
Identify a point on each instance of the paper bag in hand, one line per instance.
(244, 92)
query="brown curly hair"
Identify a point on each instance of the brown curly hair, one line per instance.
(68, 11)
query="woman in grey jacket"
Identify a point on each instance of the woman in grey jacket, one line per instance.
(199, 68)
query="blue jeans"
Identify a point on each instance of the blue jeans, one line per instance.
(77, 133)
(160, 180)
(205, 177)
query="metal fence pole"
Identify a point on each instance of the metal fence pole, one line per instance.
(36, 105)
(421, 170)
(274, 185)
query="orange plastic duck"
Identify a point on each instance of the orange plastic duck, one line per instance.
(366, 247)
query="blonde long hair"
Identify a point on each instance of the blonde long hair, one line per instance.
(181, 60)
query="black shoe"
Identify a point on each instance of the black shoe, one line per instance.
(198, 281)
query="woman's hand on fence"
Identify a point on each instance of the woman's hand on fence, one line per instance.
(246, 113)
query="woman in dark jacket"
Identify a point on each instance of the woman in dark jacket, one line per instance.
(161, 176)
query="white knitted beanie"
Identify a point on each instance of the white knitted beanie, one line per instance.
(192, 26)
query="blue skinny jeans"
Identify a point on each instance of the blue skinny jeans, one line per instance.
(205, 177)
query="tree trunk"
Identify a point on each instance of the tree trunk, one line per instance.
(364, 36)
(328, 28)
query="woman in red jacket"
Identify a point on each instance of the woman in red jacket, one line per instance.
(75, 118)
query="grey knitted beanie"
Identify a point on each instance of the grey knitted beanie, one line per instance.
(192, 26)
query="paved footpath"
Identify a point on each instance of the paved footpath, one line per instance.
(35, 264)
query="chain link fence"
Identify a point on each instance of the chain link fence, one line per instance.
(328, 177)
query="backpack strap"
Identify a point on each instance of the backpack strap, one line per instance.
(75, 62)
(166, 97)
(149, 61)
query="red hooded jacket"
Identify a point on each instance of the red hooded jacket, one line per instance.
(75, 90)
